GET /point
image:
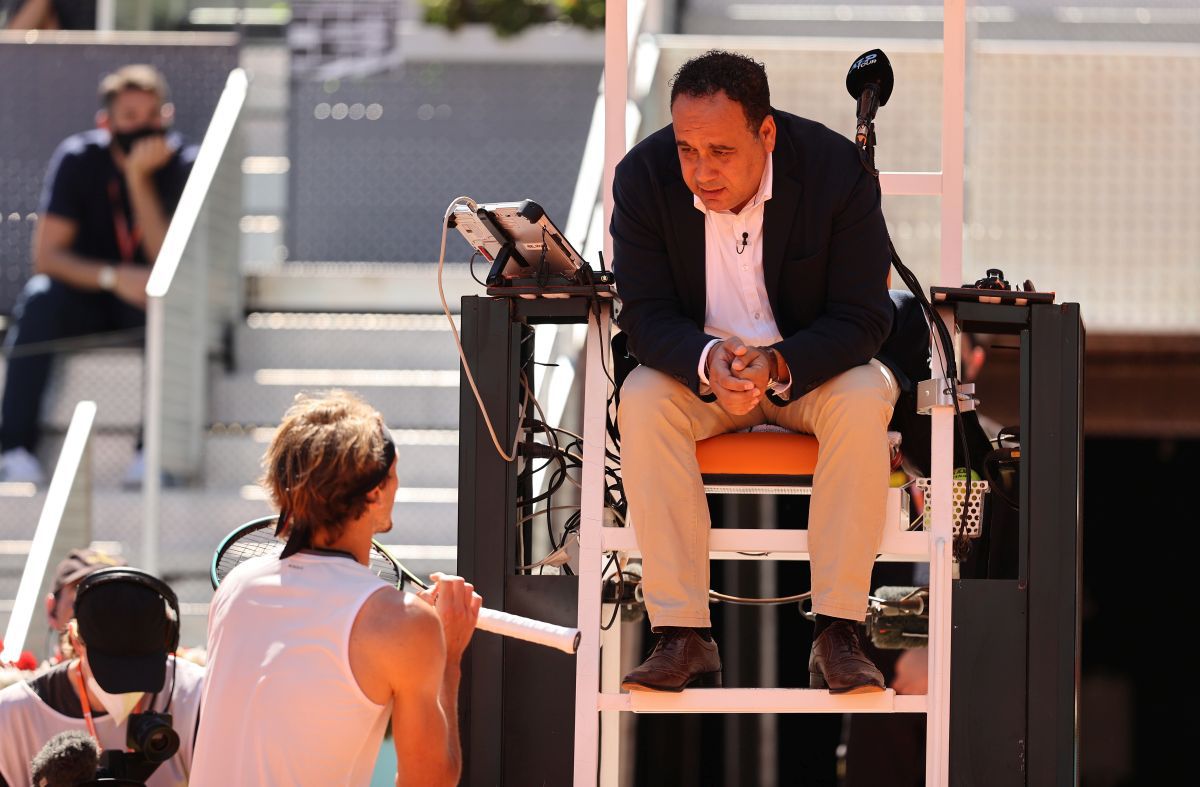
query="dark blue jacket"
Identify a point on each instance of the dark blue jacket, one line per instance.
(825, 256)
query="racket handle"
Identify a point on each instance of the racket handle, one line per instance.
(528, 629)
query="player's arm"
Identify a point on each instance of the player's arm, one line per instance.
(425, 704)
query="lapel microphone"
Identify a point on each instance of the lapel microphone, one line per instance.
(741, 245)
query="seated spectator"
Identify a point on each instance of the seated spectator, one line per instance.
(109, 196)
(51, 15)
(125, 629)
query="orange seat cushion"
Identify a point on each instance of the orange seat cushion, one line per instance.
(758, 454)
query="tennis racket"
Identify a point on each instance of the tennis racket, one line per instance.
(257, 538)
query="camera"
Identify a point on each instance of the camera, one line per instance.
(151, 734)
(993, 280)
(151, 741)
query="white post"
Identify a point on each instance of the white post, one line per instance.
(587, 660)
(70, 459)
(152, 445)
(616, 96)
(941, 470)
(106, 15)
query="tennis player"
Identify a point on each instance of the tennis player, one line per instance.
(310, 651)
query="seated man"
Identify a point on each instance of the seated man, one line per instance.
(124, 631)
(324, 647)
(109, 196)
(751, 261)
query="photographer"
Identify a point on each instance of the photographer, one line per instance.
(126, 689)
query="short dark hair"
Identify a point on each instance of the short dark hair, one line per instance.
(133, 77)
(741, 78)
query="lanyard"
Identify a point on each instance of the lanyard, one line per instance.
(128, 236)
(87, 705)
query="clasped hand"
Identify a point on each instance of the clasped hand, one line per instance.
(738, 375)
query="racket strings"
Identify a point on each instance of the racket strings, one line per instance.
(261, 541)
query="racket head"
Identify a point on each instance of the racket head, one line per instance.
(257, 538)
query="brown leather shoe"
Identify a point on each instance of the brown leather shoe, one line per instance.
(681, 658)
(837, 662)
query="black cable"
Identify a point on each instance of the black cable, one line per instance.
(949, 365)
(471, 264)
(620, 592)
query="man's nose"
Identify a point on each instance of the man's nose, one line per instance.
(706, 172)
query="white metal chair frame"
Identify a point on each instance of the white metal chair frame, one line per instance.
(933, 545)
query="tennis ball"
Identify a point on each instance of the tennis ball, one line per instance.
(960, 474)
(898, 479)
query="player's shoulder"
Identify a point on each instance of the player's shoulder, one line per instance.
(395, 618)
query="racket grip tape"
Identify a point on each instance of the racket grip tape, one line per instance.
(529, 630)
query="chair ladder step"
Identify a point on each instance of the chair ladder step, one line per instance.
(750, 544)
(761, 701)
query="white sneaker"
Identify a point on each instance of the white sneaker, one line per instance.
(135, 472)
(17, 465)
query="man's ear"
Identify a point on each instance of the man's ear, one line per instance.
(51, 608)
(767, 132)
(102, 119)
(168, 113)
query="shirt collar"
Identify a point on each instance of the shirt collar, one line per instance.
(765, 185)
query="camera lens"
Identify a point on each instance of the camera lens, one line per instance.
(151, 734)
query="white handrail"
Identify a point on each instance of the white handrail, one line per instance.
(70, 462)
(199, 181)
(182, 235)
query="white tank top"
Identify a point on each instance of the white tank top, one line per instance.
(281, 705)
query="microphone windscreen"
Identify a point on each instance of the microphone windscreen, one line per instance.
(871, 67)
(66, 760)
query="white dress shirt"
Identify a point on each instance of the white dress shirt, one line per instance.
(736, 302)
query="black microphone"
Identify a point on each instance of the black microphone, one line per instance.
(743, 243)
(869, 82)
(69, 758)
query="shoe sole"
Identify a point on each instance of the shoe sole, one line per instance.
(817, 681)
(707, 680)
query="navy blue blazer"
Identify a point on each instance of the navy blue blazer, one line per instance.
(825, 256)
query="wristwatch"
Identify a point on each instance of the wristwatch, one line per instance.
(108, 278)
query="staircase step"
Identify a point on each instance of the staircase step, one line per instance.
(194, 521)
(232, 460)
(342, 340)
(408, 398)
(408, 287)
(110, 377)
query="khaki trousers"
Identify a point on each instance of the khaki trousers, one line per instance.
(661, 420)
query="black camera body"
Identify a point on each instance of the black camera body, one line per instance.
(151, 740)
(993, 280)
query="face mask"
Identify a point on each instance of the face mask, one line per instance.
(126, 139)
(119, 706)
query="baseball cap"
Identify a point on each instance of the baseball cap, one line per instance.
(79, 563)
(128, 628)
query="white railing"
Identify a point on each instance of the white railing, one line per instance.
(193, 297)
(65, 523)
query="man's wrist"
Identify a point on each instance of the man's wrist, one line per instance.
(772, 363)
